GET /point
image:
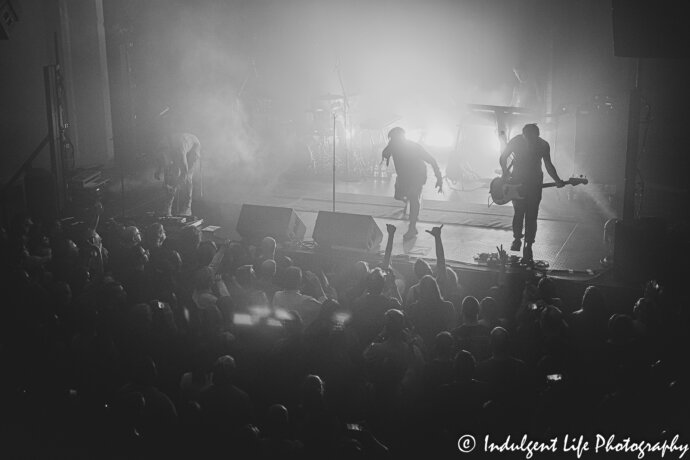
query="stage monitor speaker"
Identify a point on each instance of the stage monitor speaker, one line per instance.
(646, 29)
(257, 222)
(351, 231)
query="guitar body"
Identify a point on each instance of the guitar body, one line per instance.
(503, 192)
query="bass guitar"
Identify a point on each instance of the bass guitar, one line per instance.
(502, 191)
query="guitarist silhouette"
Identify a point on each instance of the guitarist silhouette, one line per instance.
(528, 150)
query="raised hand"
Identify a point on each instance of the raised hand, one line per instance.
(389, 276)
(435, 232)
(502, 254)
(98, 208)
(390, 228)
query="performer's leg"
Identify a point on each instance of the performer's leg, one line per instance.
(169, 199)
(413, 198)
(518, 222)
(532, 201)
(414, 211)
(186, 190)
(400, 195)
(531, 213)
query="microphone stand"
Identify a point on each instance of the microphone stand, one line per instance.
(334, 117)
(346, 121)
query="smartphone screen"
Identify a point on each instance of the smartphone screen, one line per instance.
(554, 377)
(242, 319)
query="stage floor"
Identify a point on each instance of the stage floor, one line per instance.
(569, 236)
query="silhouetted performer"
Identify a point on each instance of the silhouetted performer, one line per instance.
(409, 159)
(178, 153)
(528, 150)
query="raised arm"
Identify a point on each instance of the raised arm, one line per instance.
(391, 287)
(440, 254)
(389, 245)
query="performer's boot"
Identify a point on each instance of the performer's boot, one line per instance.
(517, 243)
(527, 255)
(411, 232)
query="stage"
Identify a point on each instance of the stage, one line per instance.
(569, 236)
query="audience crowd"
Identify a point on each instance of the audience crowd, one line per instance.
(119, 342)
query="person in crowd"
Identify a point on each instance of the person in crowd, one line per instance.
(159, 415)
(459, 403)
(265, 251)
(548, 295)
(225, 406)
(395, 359)
(207, 312)
(265, 280)
(489, 314)
(439, 369)
(352, 283)
(198, 378)
(154, 237)
(317, 426)
(421, 269)
(505, 375)
(283, 262)
(243, 289)
(278, 439)
(292, 299)
(431, 314)
(471, 335)
(188, 245)
(369, 309)
(445, 276)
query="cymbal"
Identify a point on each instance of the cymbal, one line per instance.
(329, 97)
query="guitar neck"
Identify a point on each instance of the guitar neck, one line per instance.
(548, 184)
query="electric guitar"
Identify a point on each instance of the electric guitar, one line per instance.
(502, 191)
